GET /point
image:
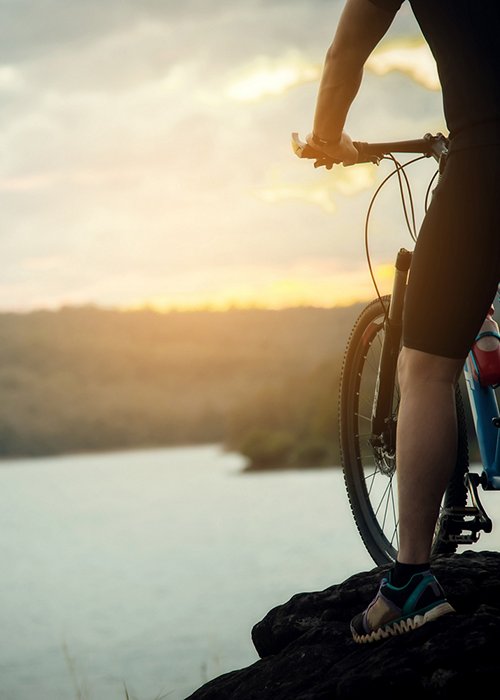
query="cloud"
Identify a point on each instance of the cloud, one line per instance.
(33, 30)
(146, 144)
(320, 191)
(411, 57)
(265, 76)
(219, 29)
(11, 79)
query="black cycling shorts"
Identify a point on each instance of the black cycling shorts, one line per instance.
(455, 269)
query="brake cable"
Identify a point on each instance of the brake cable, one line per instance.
(399, 170)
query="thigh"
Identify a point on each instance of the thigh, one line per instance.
(456, 264)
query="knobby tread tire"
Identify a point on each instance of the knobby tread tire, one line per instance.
(379, 545)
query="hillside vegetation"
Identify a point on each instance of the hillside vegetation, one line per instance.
(263, 382)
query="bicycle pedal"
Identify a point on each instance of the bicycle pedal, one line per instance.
(461, 539)
(463, 525)
(455, 529)
(457, 513)
(472, 482)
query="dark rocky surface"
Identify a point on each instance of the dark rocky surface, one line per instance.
(307, 653)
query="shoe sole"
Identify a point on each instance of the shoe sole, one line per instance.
(402, 626)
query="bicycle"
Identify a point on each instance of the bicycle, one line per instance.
(369, 398)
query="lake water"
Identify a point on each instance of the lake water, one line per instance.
(147, 569)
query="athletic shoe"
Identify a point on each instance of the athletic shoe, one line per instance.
(396, 610)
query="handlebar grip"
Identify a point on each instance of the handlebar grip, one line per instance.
(304, 150)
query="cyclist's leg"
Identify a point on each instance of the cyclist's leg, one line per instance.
(426, 447)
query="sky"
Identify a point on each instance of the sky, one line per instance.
(145, 154)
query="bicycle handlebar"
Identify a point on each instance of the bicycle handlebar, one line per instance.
(429, 146)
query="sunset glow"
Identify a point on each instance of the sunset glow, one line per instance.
(309, 286)
(146, 155)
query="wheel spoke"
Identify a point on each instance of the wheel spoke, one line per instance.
(384, 496)
(360, 415)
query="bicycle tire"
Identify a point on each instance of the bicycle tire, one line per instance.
(369, 473)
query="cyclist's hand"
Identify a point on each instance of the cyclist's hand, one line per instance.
(344, 152)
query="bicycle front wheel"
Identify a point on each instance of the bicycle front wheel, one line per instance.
(368, 461)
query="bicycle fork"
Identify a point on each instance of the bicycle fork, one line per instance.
(383, 420)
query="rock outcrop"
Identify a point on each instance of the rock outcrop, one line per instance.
(307, 653)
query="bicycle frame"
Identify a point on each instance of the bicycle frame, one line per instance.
(484, 407)
(483, 401)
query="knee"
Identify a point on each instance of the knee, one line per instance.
(416, 367)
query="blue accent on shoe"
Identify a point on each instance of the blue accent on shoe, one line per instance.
(396, 610)
(414, 597)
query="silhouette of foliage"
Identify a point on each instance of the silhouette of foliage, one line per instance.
(81, 379)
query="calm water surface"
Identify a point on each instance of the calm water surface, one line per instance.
(148, 569)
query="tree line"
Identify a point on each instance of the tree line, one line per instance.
(261, 382)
